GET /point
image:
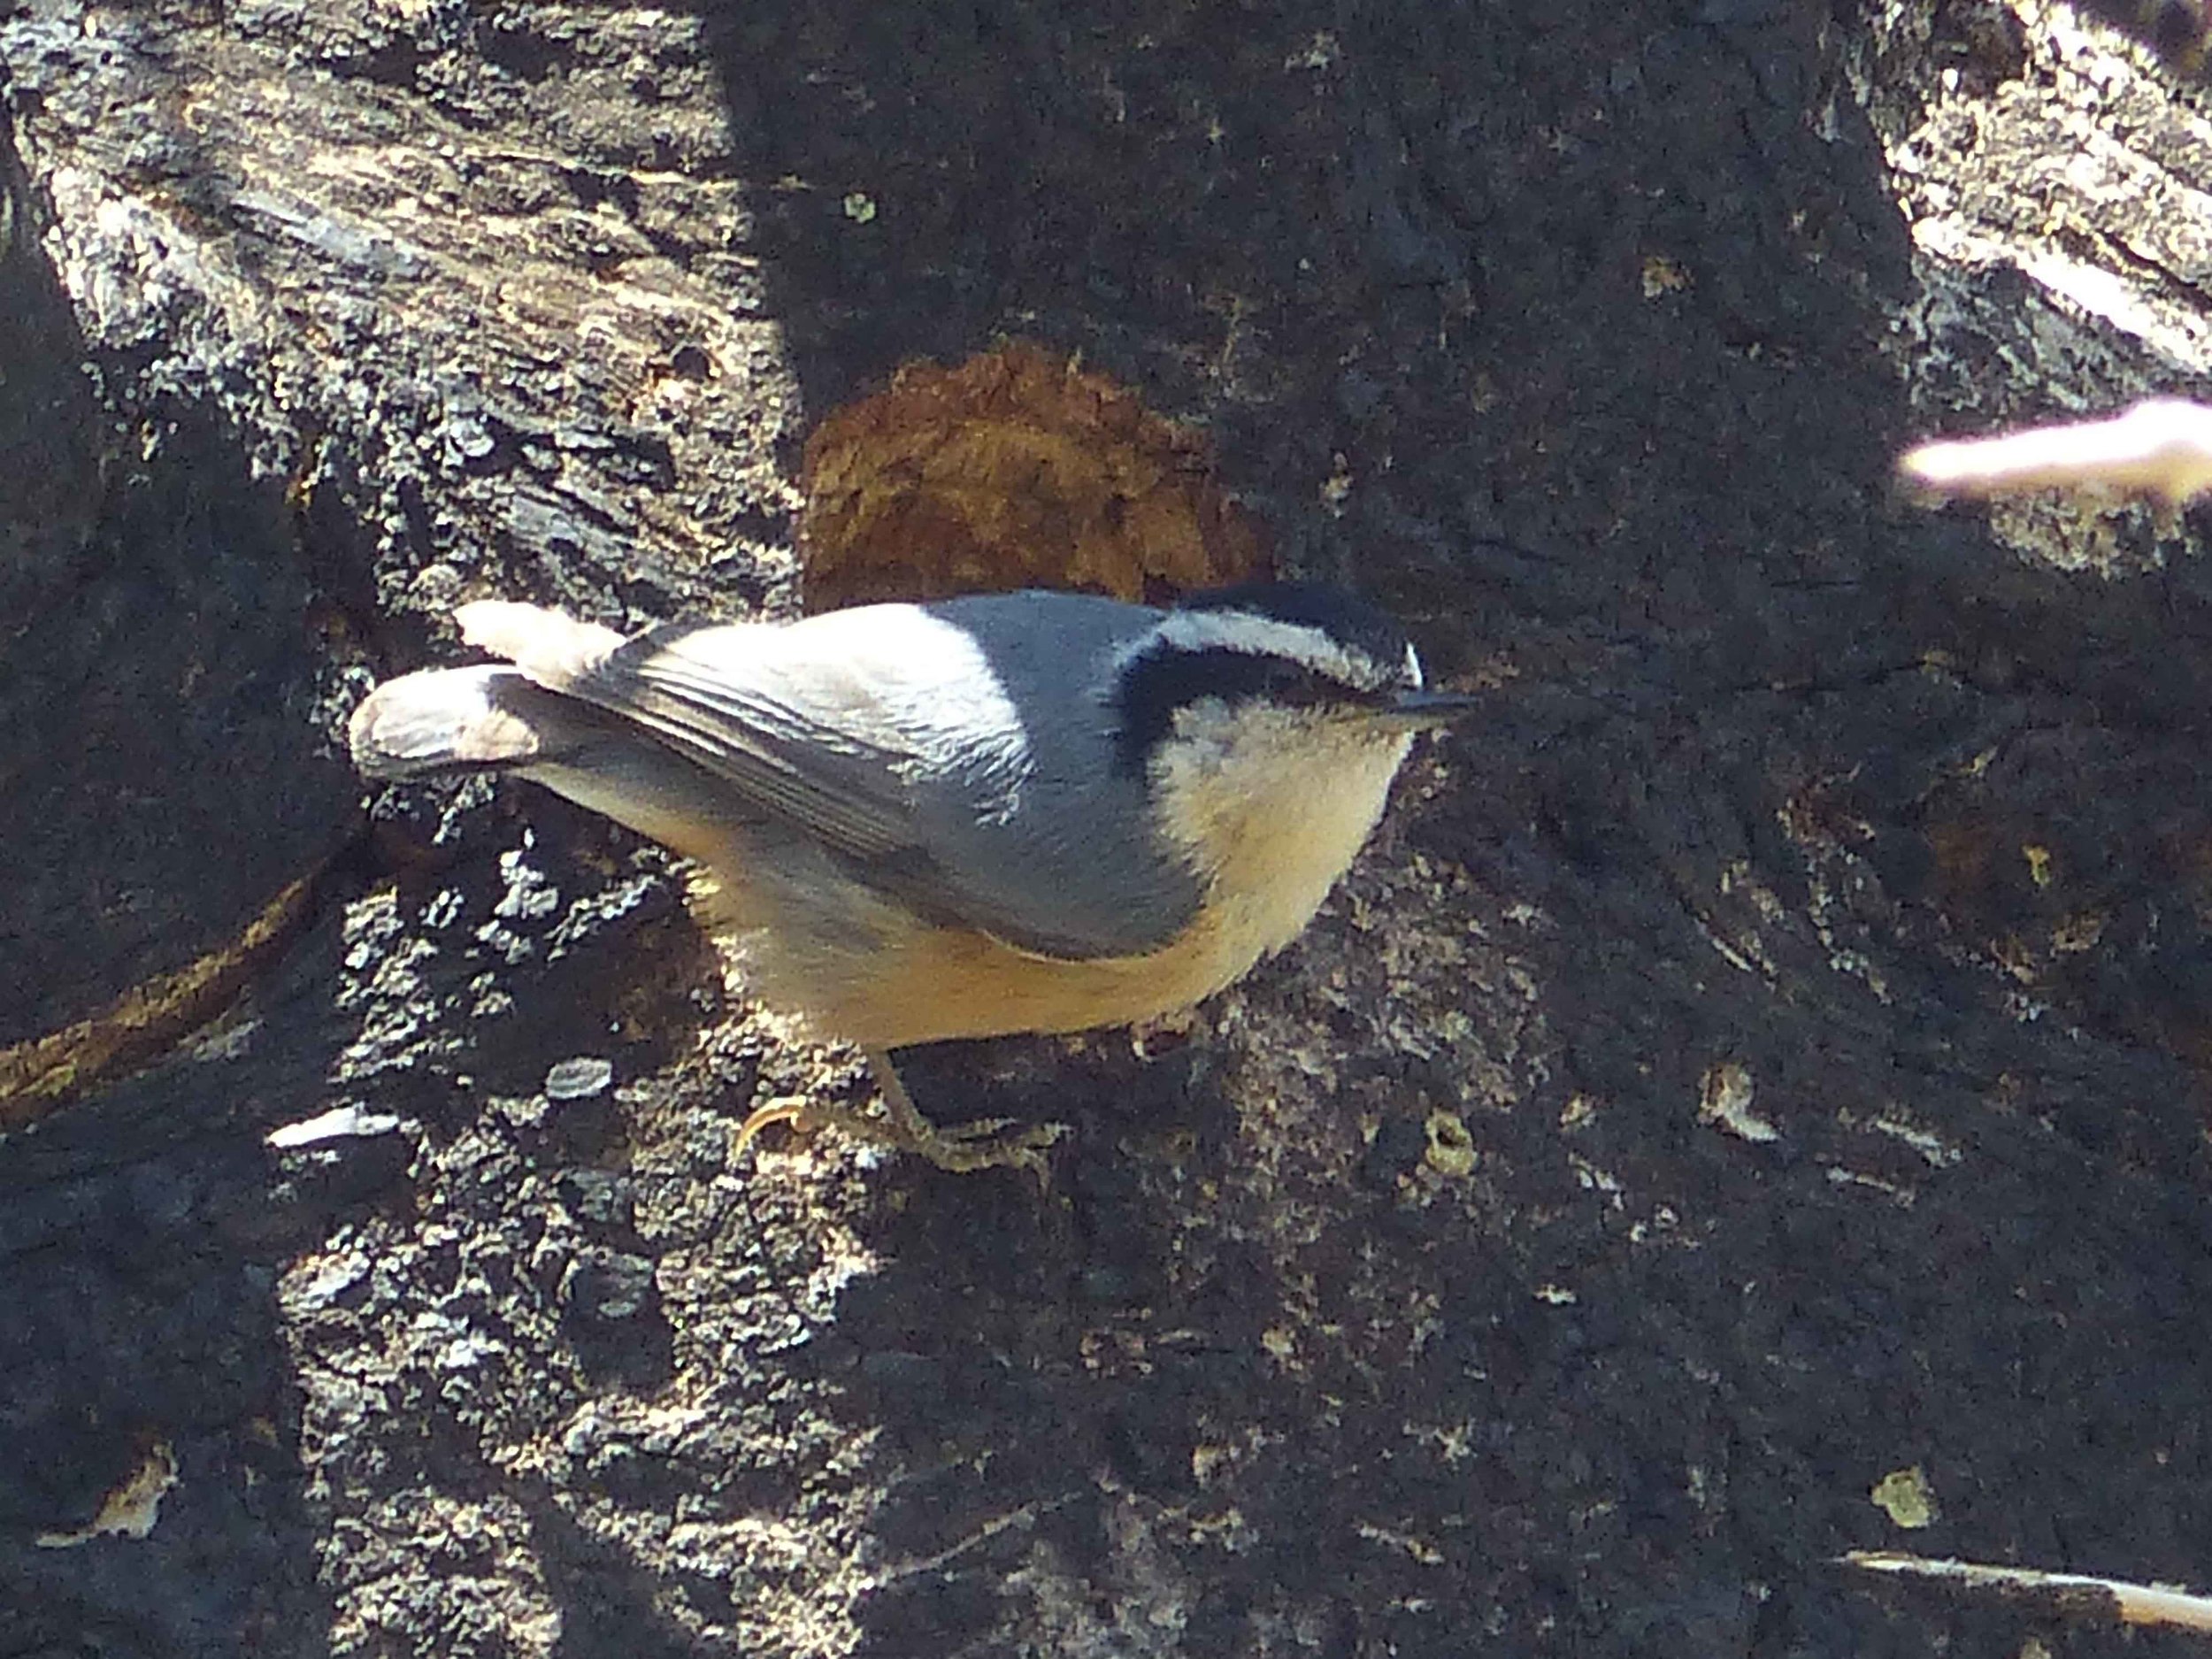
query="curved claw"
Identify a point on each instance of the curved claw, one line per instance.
(786, 1110)
(960, 1148)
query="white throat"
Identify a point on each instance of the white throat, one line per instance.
(1271, 808)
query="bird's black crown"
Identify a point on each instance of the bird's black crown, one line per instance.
(1298, 644)
(1343, 616)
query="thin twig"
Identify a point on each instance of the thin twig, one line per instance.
(2134, 1603)
(2161, 449)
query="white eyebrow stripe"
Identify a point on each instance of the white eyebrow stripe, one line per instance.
(1266, 636)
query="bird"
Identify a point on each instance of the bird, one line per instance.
(1000, 813)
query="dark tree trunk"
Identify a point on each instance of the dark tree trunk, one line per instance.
(1763, 1057)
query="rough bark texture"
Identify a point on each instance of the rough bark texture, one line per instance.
(1766, 1056)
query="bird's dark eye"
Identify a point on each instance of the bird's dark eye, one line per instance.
(1298, 687)
(1158, 683)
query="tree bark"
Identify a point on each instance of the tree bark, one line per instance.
(1761, 1061)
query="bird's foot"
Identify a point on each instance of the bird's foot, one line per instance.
(985, 1144)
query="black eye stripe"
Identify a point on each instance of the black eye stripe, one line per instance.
(1159, 681)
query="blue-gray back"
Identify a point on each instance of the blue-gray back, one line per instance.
(959, 754)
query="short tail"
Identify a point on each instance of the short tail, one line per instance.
(488, 719)
(445, 719)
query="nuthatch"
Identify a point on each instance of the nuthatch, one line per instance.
(1016, 812)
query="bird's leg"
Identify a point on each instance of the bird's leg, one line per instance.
(960, 1148)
